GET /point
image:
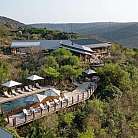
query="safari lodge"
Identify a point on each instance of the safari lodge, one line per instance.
(22, 103)
(89, 50)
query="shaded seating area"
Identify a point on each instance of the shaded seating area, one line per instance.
(88, 74)
(35, 78)
(12, 88)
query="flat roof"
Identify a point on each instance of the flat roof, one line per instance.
(25, 43)
(85, 44)
(45, 44)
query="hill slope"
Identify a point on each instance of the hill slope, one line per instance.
(13, 24)
(124, 33)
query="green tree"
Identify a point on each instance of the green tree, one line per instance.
(68, 72)
(61, 54)
(4, 71)
(37, 131)
(115, 75)
(50, 72)
(50, 61)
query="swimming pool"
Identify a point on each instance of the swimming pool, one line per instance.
(25, 101)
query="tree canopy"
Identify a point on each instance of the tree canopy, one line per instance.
(61, 65)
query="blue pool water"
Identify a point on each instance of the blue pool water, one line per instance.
(22, 102)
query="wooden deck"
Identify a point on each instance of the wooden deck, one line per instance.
(75, 97)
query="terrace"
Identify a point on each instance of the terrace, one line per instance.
(45, 108)
(37, 102)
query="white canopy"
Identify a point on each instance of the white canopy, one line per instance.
(89, 71)
(41, 97)
(11, 83)
(35, 77)
(35, 98)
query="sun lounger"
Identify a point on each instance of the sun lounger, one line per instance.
(37, 86)
(7, 95)
(27, 89)
(43, 107)
(26, 112)
(32, 88)
(14, 92)
(19, 91)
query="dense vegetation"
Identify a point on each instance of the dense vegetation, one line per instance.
(111, 113)
(59, 68)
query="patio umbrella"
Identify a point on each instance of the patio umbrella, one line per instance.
(89, 71)
(41, 97)
(35, 98)
(35, 77)
(11, 83)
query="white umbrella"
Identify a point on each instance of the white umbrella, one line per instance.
(35, 98)
(41, 97)
(89, 71)
(35, 77)
(11, 83)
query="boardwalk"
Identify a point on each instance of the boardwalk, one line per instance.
(79, 95)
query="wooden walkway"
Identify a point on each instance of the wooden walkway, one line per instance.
(75, 98)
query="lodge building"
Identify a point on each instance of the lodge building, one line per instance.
(88, 50)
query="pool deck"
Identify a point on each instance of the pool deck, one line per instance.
(25, 94)
(80, 94)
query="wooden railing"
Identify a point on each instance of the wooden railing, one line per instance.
(73, 100)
